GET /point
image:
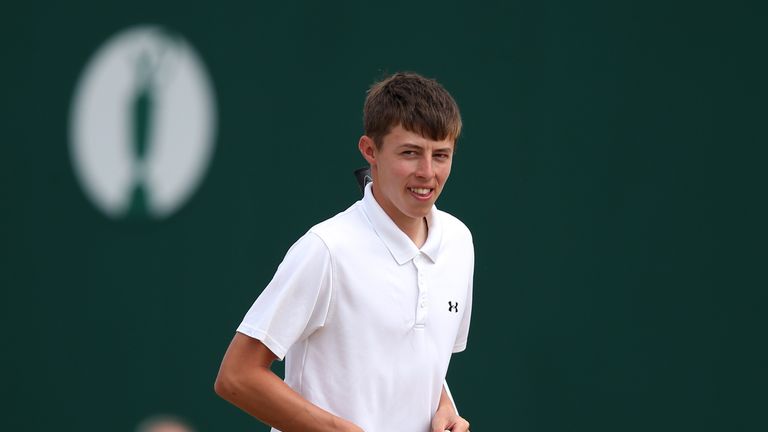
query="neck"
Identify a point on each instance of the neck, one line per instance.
(417, 231)
(415, 228)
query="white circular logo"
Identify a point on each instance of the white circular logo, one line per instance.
(142, 124)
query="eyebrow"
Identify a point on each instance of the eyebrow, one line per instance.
(414, 146)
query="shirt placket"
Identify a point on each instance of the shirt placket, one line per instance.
(422, 301)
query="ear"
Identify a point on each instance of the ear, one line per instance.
(367, 149)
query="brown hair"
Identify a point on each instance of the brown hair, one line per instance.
(420, 105)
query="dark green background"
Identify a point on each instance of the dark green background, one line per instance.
(612, 171)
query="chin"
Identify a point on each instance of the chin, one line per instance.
(420, 213)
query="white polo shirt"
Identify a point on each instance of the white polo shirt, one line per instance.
(366, 321)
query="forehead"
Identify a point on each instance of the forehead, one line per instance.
(399, 136)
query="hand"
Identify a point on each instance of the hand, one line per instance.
(447, 420)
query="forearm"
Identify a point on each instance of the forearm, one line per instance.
(446, 417)
(258, 391)
(265, 396)
(445, 402)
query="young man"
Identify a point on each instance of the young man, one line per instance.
(368, 306)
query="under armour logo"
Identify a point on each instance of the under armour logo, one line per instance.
(453, 307)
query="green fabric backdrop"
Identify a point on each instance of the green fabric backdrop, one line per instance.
(612, 171)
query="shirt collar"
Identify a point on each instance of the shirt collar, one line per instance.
(399, 244)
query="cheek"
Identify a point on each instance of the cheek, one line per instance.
(444, 172)
(401, 171)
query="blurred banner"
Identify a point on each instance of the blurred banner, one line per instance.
(159, 159)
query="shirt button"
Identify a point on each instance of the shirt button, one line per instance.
(423, 304)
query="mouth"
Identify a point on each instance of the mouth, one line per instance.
(421, 193)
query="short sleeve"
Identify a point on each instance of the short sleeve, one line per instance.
(296, 302)
(463, 333)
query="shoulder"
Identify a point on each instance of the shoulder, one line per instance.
(319, 238)
(346, 225)
(454, 227)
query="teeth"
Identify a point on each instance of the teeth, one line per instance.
(420, 191)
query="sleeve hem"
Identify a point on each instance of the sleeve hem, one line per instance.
(274, 346)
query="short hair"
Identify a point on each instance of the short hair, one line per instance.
(418, 104)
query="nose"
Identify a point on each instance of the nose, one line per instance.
(425, 169)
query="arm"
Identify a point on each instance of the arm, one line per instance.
(446, 417)
(246, 380)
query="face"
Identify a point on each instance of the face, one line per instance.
(409, 172)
